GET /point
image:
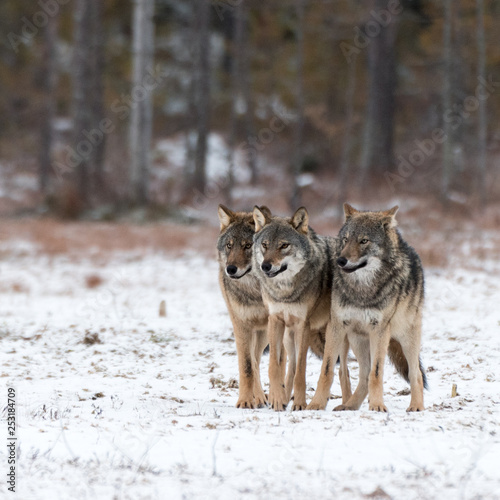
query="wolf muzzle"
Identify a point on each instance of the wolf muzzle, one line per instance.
(232, 272)
(350, 268)
(267, 267)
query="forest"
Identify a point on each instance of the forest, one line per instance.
(136, 138)
(179, 104)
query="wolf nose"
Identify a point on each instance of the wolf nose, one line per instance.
(341, 261)
(231, 270)
(266, 266)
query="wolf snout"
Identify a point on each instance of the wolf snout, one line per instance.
(266, 266)
(341, 261)
(231, 270)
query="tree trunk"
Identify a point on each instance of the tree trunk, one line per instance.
(482, 118)
(190, 117)
(447, 89)
(202, 94)
(245, 81)
(82, 111)
(49, 83)
(296, 165)
(235, 58)
(141, 119)
(346, 143)
(378, 147)
(97, 41)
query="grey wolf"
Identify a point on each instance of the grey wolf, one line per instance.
(377, 301)
(241, 290)
(293, 265)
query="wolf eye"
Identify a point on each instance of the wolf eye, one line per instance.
(364, 241)
(285, 245)
(264, 245)
(247, 246)
(229, 246)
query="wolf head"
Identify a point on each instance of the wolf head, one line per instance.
(365, 238)
(236, 240)
(281, 244)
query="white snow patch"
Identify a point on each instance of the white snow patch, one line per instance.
(217, 164)
(304, 180)
(148, 413)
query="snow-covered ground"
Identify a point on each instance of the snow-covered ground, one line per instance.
(116, 402)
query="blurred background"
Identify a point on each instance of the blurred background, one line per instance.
(134, 112)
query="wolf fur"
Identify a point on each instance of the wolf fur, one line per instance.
(377, 301)
(241, 290)
(294, 267)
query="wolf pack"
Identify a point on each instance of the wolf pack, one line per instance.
(293, 290)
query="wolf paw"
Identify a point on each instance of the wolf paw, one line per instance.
(316, 405)
(344, 408)
(277, 406)
(277, 400)
(378, 407)
(299, 406)
(245, 403)
(415, 408)
(260, 401)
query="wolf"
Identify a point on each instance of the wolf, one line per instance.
(241, 291)
(377, 301)
(293, 265)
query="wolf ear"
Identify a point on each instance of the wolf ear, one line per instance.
(225, 216)
(266, 211)
(389, 217)
(300, 220)
(260, 217)
(349, 211)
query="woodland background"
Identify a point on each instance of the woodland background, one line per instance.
(112, 105)
(125, 123)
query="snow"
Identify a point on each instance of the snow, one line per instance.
(148, 411)
(173, 149)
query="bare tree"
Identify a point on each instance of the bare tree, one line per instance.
(296, 163)
(48, 84)
(347, 139)
(142, 111)
(88, 105)
(447, 91)
(82, 111)
(378, 140)
(236, 39)
(482, 125)
(190, 116)
(245, 82)
(202, 75)
(241, 94)
(97, 43)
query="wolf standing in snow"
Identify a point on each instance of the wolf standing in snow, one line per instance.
(377, 301)
(241, 291)
(293, 265)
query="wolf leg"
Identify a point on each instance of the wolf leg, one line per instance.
(361, 347)
(277, 396)
(243, 337)
(345, 381)
(333, 342)
(379, 341)
(289, 342)
(299, 381)
(410, 343)
(260, 343)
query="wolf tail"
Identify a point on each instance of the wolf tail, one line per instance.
(317, 344)
(400, 362)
